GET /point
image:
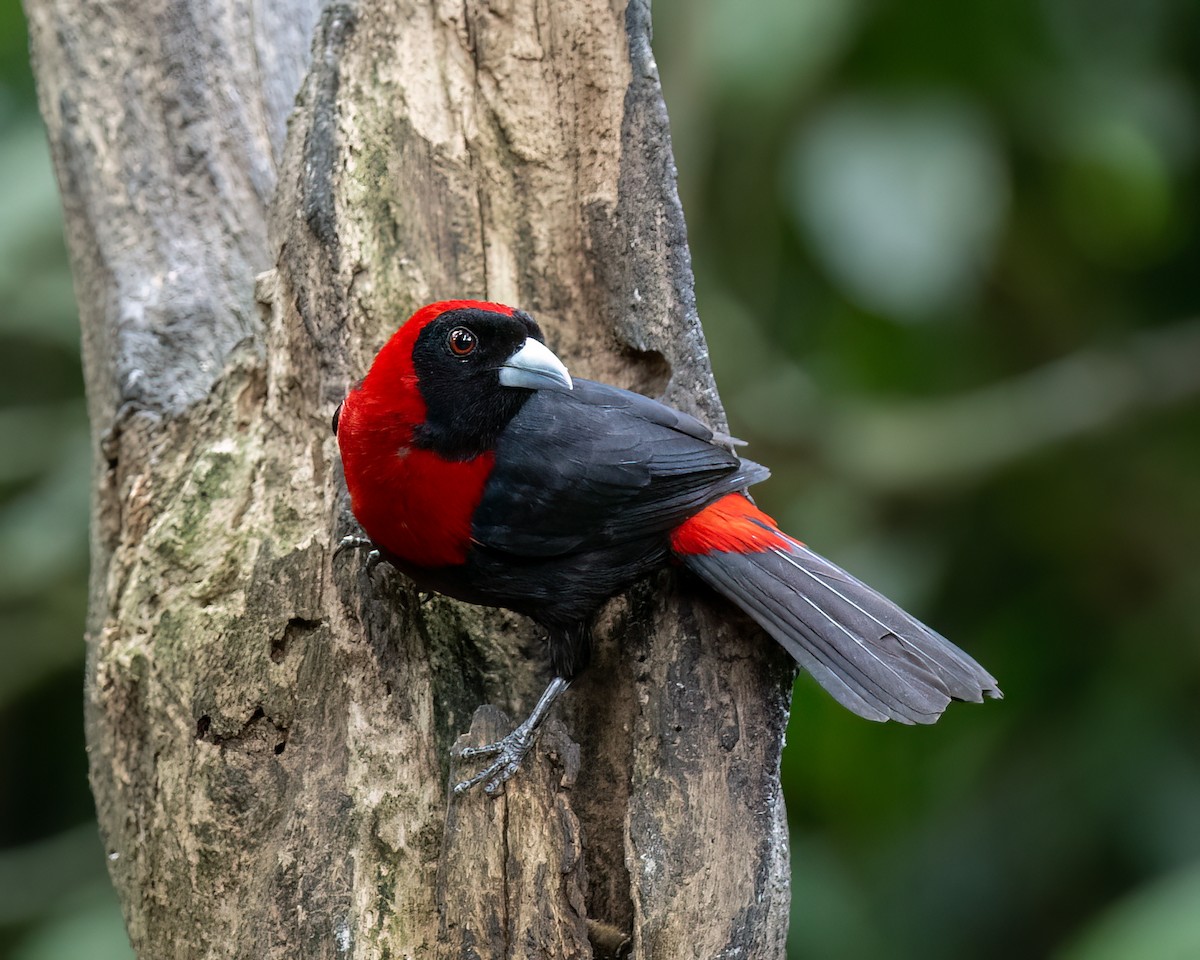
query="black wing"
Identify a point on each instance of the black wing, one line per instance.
(598, 466)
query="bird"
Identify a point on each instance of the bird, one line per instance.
(480, 468)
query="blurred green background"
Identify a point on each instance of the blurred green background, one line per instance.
(948, 259)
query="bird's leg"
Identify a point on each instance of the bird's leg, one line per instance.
(352, 542)
(510, 751)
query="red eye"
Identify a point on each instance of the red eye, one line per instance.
(462, 341)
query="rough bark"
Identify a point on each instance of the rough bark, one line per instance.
(270, 732)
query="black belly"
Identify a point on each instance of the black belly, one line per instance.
(558, 592)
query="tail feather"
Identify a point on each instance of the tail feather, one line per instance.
(964, 678)
(874, 658)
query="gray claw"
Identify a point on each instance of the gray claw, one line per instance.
(508, 752)
(352, 542)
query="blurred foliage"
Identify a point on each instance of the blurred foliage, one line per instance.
(946, 258)
(55, 898)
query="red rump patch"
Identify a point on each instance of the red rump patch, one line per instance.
(731, 525)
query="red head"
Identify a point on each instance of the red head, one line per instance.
(416, 436)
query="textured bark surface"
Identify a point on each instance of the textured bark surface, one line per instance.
(270, 731)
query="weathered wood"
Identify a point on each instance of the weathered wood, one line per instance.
(269, 732)
(511, 877)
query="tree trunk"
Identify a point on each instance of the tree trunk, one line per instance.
(269, 729)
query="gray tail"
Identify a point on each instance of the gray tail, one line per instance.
(868, 653)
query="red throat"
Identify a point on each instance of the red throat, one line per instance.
(410, 501)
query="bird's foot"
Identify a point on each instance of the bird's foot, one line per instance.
(508, 752)
(351, 542)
